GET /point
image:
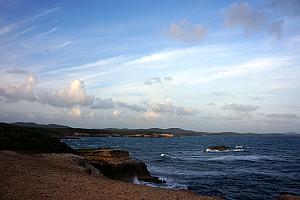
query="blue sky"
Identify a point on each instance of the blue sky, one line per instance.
(201, 65)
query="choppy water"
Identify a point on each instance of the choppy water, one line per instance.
(265, 166)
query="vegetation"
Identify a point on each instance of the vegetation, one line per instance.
(39, 140)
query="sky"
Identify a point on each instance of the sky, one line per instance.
(194, 64)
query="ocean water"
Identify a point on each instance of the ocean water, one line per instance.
(263, 168)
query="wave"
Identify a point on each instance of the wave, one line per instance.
(245, 158)
(236, 148)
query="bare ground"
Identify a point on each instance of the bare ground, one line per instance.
(59, 176)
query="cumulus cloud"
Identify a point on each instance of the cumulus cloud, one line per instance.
(75, 112)
(185, 111)
(282, 116)
(134, 107)
(185, 31)
(20, 91)
(150, 115)
(240, 107)
(165, 107)
(73, 94)
(102, 104)
(116, 113)
(241, 15)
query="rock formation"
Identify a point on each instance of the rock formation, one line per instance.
(116, 164)
(217, 148)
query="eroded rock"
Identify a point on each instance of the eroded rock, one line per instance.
(116, 164)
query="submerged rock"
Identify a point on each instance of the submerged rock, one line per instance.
(116, 164)
(217, 148)
(288, 197)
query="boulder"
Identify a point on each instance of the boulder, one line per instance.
(217, 148)
(117, 165)
(288, 197)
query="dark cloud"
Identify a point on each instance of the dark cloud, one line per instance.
(186, 31)
(282, 116)
(134, 107)
(240, 107)
(17, 71)
(241, 15)
(287, 7)
(102, 104)
(153, 81)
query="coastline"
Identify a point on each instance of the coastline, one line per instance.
(60, 176)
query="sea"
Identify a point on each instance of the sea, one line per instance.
(255, 167)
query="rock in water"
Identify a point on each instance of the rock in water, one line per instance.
(217, 148)
(116, 164)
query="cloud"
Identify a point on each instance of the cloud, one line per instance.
(211, 104)
(20, 91)
(102, 104)
(165, 107)
(223, 93)
(241, 15)
(73, 94)
(282, 116)
(150, 115)
(276, 28)
(152, 81)
(186, 111)
(134, 107)
(158, 80)
(169, 78)
(185, 31)
(240, 107)
(287, 7)
(12, 27)
(75, 112)
(116, 113)
(17, 71)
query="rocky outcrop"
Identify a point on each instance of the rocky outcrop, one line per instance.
(288, 197)
(217, 148)
(116, 164)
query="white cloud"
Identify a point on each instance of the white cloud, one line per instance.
(73, 94)
(165, 107)
(75, 112)
(186, 111)
(19, 90)
(240, 107)
(12, 27)
(151, 115)
(185, 31)
(116, 113)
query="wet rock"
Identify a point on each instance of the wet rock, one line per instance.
(288, 197)
(217, 148)
(116, 164)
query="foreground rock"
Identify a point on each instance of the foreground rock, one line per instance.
(117, 165)
(59, 176)
(218, 148)
(288, 197)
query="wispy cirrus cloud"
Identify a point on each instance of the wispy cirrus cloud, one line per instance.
(14, 26)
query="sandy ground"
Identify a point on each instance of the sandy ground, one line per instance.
(59, 176)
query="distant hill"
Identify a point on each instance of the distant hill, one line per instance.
(66, 131)
(35, 125)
